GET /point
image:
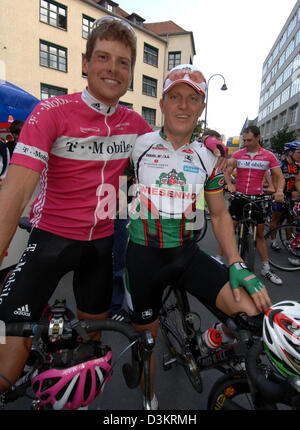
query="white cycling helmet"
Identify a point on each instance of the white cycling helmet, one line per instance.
(281, 335)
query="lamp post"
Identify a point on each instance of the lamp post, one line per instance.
(223, 88)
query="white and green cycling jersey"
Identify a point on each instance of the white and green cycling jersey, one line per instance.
(169, 184)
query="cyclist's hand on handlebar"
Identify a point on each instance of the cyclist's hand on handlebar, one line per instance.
(279, 196)
(240, 275)
(231, 188)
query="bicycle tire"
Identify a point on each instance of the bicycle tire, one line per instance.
(247, 248)
(232, 392)
(248, 252)
(279, 259)
(176, 332)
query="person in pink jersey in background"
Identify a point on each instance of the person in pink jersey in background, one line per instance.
(251, 164)
(76, 146)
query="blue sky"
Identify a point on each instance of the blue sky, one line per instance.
(233, 38)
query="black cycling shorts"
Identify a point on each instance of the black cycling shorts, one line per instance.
(45, 261)
(236, 210)
(149, 270)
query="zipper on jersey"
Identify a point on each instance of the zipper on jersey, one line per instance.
(101, 181)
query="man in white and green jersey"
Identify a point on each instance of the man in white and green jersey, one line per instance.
(171, 171)
(169, 182)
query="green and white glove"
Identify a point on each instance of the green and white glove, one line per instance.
(239, 274)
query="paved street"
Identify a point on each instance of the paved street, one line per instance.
(173, 389)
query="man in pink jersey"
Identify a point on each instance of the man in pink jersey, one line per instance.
(77, 147)
(251, 164)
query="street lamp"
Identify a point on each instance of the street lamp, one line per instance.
(223, 88)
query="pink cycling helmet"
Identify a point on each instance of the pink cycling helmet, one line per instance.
(73, 387)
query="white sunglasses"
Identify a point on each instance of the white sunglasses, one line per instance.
(99, 21)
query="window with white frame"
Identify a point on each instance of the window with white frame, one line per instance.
(53, 13)
(282, 59)
(149, 86)
(290, 48)
(295, 87)
(283, 119)
(53, 56)
(279, 81)
(150, 55)
(293, 114)
(276, 102)
(149, 115)
(292, 25)
(288, 71)
(87, 24)
(297, 38)
(174, 59)
(275, 123)
(285, 95)
(51, 91)
(283, 40)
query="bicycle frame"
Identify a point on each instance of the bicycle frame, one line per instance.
(247, 228)
(221, 358)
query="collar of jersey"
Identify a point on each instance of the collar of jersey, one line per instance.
(95, 104)
(260, 150)
(165, 137)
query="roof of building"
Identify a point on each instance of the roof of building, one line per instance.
(165, 27)
(160, 29)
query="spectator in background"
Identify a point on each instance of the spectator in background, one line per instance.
(4, 159)
(15, 130)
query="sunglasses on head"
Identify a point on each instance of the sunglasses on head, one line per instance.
(108, 19)
(194, 75)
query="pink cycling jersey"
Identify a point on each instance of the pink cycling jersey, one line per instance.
(251, 170)
(80, 147)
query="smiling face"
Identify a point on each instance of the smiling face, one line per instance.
(181, 106)
(109, 71)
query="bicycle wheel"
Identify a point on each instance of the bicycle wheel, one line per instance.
(289, 235)
(176, 325)
(232, 392)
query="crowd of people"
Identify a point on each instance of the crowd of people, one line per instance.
(78, 170)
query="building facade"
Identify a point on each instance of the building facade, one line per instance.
(280, 89)
(42, 43)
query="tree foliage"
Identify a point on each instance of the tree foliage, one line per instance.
(198, 130)
(280, 138)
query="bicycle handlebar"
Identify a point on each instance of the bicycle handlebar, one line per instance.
(132, 373)
(254, 198)
(29, 329)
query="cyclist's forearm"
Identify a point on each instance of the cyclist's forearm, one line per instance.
(278, 180)
(15, 193)
(227, 176)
